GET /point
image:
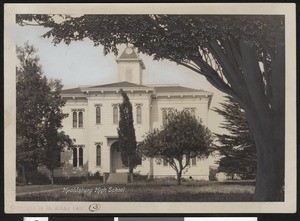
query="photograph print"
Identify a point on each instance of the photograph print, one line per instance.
(152, 112)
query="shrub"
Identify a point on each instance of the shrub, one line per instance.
(37, 178)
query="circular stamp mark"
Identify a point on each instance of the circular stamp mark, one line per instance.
(94, 207)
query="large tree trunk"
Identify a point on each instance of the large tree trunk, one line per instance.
(266, 120)
(270, 165)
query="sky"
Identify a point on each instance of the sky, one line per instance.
(80, 63)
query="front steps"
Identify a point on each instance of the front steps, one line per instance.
(117, 178)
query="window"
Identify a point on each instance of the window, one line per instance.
(139, 114)
(193, 112)
(74, 119)
(165, 163)
(194, 161)
(98, 155)
(98, 115)
(166, 114)
(115, 115)
(80, 156)
(165, 117)
(80, 119)
(74, 157)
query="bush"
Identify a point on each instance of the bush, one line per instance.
(96, 176)
(213, 173)
(70, 180)
(140, 178)
(38, 178)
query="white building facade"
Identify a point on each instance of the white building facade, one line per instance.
(94, 114)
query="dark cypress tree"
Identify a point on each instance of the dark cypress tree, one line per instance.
(237, 148)
(127, 139)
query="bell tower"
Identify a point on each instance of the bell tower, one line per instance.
(130, 66)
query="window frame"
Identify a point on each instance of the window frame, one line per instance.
(75, 158)
(98, 115)
(115, 114)
(139, 114)
(80, 157)
(98, 155)
(80, 119)
(193, 161)
(74, 119)
(165, 163)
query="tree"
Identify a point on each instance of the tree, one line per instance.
(38, 115)
(241, 55)
(56, 140)
(31, 88)
(127, 139)
(182, 138)
(237, 147)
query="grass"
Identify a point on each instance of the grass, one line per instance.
(156, 191)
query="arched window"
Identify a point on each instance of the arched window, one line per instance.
(115, 115)
(165, 117)
(170, 113)
(74, 119)
(74, 157)
(80, 156)
(98, 155)
(80, 119)
(139, 114)
(193, 112)
(98, 115)
(165, 163)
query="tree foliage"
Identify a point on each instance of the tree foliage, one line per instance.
(182, 138)
(38, 115)
(126, 133)
(241, 55)
(237, 148)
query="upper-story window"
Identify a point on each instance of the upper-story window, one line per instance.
(77, 117)
(139, 114)
(166, 114)
(98, 115)
(74, 119)
(193, 161)
(165, 163)
(192, 111)
(165, 117)
(80, 119)
(115, 114)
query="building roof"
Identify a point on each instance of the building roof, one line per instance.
(119, 84)
(125, 55)
(129, 54)
(166, 89)
(72, 91)
(125, 84)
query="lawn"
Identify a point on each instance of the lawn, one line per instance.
(157, 191)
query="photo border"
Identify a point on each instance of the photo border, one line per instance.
(13, 206)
